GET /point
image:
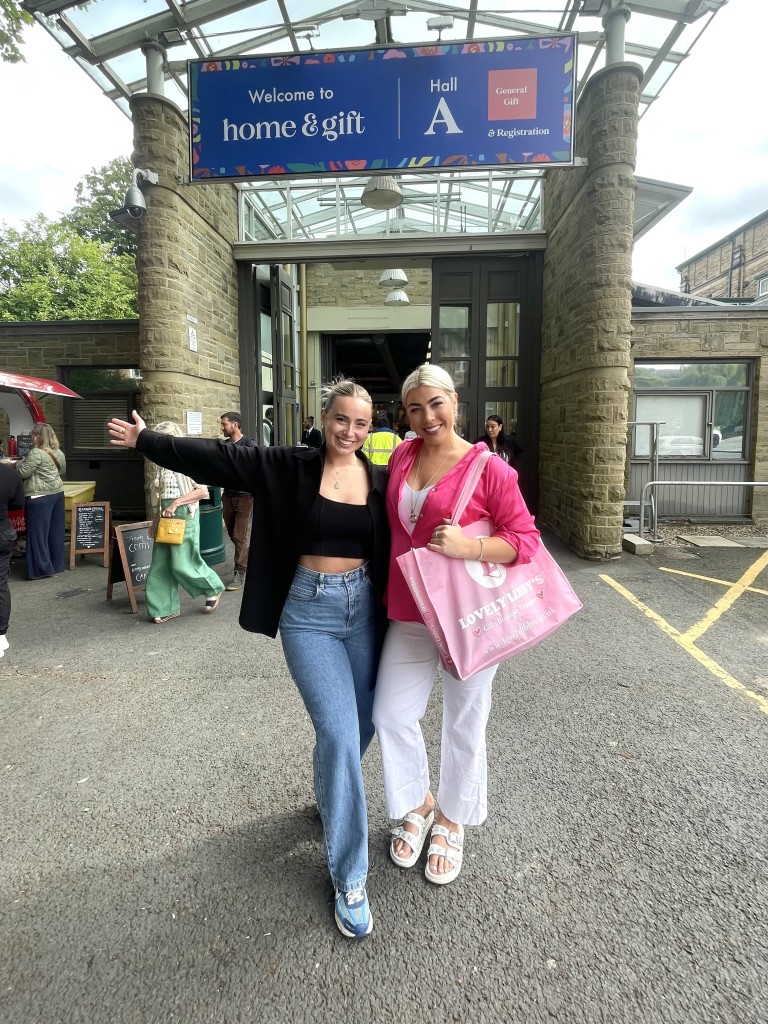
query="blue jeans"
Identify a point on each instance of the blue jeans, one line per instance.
(328, 633)
(45, 535)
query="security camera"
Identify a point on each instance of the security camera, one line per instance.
(135, 204)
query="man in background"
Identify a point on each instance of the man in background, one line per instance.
(381, 442)
(237, 505)
(310, 435)
(11, 496)
(268, 428)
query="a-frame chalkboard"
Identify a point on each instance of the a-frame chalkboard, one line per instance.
(130, 555)
(89, 534)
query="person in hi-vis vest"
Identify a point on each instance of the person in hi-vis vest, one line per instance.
(381, 442)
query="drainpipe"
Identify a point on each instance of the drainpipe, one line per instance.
(303, 357)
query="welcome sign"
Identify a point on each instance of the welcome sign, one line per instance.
(503, 102)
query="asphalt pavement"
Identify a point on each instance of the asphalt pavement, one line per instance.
(161, 855)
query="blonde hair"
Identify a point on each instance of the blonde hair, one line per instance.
(342, 387)
(46, 435)
(430, 375)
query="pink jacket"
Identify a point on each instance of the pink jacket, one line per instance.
(497, 498)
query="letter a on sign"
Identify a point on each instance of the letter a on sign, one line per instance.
(444, 116)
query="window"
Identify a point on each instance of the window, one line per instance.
(761, 287)
(106, 392)
(701, 409)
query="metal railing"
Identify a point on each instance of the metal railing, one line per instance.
(685, 483)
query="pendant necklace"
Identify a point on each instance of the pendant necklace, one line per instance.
(415, 493)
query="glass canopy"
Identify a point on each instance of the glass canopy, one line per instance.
(115, 41)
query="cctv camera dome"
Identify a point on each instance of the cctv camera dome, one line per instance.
(135, 203)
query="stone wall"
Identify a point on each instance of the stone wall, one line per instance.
(716, 334)
(42, 348)
(730, 268)
(186, 269)
(327, 286)
(586, 328)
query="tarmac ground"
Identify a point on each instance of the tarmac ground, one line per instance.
(162, 858)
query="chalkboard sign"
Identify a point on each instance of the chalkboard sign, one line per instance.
(130, 556)
(23, 445)
(90, 530)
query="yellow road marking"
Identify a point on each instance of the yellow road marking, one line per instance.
(712, 579)
(728, 598)
(688, 645)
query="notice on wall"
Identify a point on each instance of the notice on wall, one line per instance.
(194, 423)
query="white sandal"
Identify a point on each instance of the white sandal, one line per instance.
(453, 852)
(414, 839)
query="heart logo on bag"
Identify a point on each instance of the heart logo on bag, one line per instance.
(477, 631)
(539, 593)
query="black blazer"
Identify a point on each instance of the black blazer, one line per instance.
(284, 482)
(312, 437)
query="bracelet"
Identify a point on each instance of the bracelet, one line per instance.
(481, 549)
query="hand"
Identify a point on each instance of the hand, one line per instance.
(450, 541)
(124, 434)
(168, 513)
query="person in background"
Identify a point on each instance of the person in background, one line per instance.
(310, 435)
(176, 495)
(268, 428)
(381, 442)
(316, 571)
(425, 478)
(11, 496)
(237, 505)
(41, 470)
(498, 444)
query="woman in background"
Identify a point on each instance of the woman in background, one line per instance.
(42, 470)
(175, 495)
(498, 444)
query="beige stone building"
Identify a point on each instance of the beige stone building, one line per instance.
(734, 267)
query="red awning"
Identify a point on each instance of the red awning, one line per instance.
(48, 387)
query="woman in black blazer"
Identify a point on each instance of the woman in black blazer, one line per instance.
(317, 567)
(505, 447)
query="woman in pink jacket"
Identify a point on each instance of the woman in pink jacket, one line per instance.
(426, 475)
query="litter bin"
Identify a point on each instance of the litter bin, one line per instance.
(211, 528)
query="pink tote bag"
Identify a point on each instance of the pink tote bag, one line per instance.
(479, 613)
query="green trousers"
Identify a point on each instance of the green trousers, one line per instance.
(179, 565)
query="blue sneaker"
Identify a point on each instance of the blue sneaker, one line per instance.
(353, 915)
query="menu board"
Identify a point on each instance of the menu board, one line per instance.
(130, 556)
(90, 530)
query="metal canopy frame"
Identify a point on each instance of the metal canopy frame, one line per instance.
(121, 52)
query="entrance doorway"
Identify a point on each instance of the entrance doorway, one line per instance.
(380, 362)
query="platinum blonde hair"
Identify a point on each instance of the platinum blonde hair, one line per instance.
(169, 427)
(342, 387)
(430, 375)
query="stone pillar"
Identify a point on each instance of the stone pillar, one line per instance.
(186, 270)
(586, 326)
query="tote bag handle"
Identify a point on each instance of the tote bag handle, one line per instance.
(473, 476)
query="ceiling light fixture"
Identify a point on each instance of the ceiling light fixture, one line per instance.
(393, 279)
(396, 297)
(382, 192)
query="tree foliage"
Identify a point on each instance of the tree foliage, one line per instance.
(49, 272)
(99, 192)
(12, 23)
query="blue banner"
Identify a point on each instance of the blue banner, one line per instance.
(504, 102)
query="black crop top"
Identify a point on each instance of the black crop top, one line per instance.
(338, 530)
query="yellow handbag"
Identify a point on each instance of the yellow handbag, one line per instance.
(170, 531)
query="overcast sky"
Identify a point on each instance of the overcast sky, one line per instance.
(708, 130)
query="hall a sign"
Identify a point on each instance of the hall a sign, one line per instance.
(499, 102)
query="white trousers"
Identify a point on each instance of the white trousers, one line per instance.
(406, 676)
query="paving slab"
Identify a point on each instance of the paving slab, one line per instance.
(708, 542)
(753, 542)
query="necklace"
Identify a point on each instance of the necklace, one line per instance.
(415, 493)
(337, 482)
